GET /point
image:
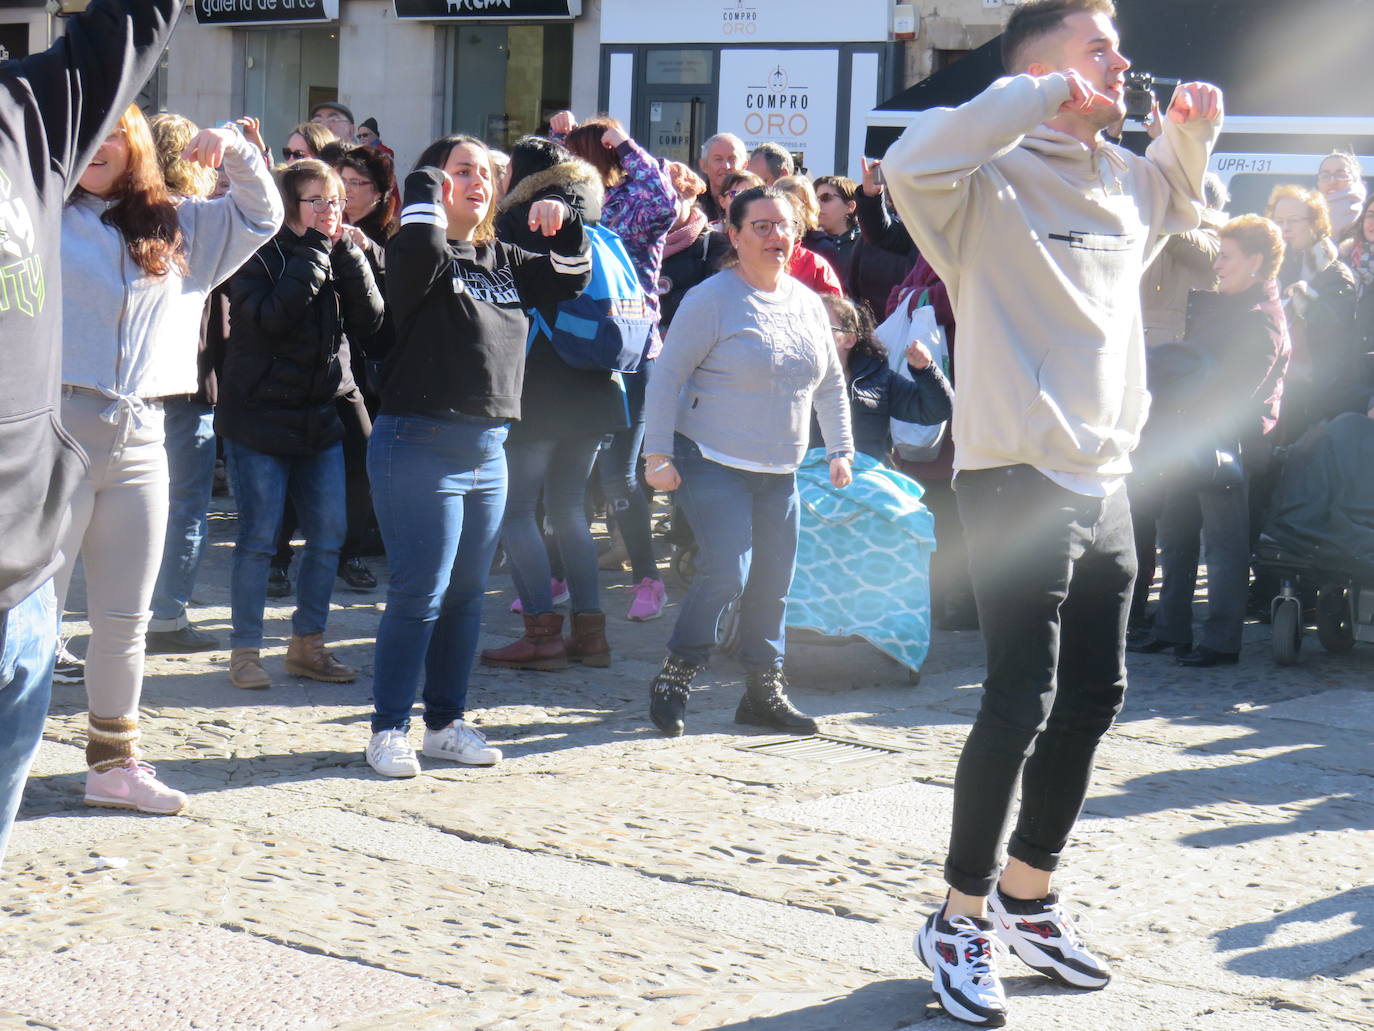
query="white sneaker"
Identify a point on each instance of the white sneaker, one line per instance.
(461, 742)
(1044, 938)
(390, 754)
(961, 955)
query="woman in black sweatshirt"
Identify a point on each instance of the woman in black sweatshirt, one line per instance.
(450, 387)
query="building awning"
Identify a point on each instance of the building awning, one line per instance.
(1270, 57)
(488, 10)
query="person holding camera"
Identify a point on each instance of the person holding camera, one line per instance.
(1041, 230)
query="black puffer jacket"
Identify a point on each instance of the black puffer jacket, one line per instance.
(291, 303)
(558, 400)
(877, 395)
(697, 262)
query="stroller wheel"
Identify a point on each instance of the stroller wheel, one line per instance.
(1287, 630)
(684, 564)
(1335, 627)
(729, 629)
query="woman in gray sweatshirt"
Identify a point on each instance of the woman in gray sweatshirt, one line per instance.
(136, 272)
(727, 415)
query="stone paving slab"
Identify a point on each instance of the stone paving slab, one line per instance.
(203, 977)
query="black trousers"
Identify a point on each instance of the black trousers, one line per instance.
(1052, 575)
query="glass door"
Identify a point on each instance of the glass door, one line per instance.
(676, 103)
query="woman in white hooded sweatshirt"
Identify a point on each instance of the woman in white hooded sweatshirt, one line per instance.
(136, 269)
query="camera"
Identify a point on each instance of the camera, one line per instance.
(1140, 93)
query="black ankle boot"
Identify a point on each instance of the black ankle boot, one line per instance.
(765, 704)
(668, 695)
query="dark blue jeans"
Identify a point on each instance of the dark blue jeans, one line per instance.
(746, 532)
(439, 490)
(189, 428)
(1052, 575)
(618, 466)
(28, 641)
(261, 484)
(560, 469)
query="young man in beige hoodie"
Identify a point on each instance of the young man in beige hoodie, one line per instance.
(1041, 230)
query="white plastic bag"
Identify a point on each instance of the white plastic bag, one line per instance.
(913, 442)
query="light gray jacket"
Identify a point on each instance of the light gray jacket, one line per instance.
(740, 371)
(133, 336)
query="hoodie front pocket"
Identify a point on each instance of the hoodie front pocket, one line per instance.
(1082, 410)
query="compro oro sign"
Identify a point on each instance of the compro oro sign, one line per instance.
(265, 12)
(783, 96)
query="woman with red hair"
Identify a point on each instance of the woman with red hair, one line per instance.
(136, 270)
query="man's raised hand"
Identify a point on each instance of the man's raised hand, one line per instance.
(1195, 101)
(1084, 99)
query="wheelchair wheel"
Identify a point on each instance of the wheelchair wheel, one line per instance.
(1287, 630)
(729, 629)
(1335, 627)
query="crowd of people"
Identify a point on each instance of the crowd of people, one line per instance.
(383, 362)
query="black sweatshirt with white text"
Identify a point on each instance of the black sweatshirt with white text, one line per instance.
(56, 108)
(460, 309)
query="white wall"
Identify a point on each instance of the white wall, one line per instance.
(202, 73)
(586, 60)
(392, 70)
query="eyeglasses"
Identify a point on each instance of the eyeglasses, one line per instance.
(358, 184)
(823, 197)
(333, 119)
(1340, 176)
(840, 330)
(294, 155)
(322, 204)
(765, 227)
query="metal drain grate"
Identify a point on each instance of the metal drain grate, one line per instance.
(822, 748)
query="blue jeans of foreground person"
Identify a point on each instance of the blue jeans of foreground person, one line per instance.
(439, 490)
(28, 641)
(261, 484)
(188, 426)
(1052, 575)
(746, 532)
(560, 468)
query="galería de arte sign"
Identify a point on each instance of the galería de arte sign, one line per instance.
(249, 6)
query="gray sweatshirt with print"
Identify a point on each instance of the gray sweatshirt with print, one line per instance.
(740, 371)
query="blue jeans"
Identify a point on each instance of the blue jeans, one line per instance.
(261, 484)
(439, 490)
(746, 532)
(28, 641)
(189, 436)
(560, 468)
(618, 466)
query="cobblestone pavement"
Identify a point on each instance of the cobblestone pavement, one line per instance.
(605, 877)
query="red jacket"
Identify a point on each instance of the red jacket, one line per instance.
(814, 271)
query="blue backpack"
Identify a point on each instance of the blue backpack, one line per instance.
(608, 325)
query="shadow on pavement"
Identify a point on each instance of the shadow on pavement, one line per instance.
(1298, 961)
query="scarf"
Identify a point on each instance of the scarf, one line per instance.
(1362, 264)
(681, 237)
(1346, 207)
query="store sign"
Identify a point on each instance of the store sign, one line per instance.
(745, 21)
(783, 96)
(265, 12)
(488, 10)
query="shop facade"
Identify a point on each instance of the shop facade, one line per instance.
(494, 68)
(804, 76)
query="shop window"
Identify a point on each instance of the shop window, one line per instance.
(286, 72)
(508, 80)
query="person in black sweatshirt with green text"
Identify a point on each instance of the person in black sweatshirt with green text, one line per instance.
(55, 110)
(450, 387)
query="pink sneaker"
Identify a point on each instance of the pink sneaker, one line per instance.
(559, 589)
(131, 785)
(648, 600)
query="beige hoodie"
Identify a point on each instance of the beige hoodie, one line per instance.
(1042, 243)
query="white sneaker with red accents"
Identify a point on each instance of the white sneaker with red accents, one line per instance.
(1044, 938)
(961, 955)
(132, 785)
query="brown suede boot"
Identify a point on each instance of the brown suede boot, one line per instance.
(245, 670)
(587, 642)
(307, 657)
(541, 648)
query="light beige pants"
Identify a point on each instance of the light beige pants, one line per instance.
(118, 521)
